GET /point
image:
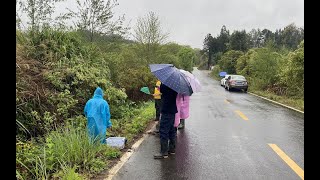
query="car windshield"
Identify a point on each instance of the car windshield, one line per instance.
(238, 78)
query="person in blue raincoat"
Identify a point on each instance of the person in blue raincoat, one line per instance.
(98, 116)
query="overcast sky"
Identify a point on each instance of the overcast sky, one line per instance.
(188, 21)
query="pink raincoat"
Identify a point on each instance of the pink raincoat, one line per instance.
(182, 103)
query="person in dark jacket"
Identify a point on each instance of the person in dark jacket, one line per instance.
(167, 129)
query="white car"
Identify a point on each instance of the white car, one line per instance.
(223, 80)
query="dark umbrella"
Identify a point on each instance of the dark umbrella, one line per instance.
(172, 77)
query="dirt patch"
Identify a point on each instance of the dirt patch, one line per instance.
(30, 83)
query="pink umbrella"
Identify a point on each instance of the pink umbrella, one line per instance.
(194, 82)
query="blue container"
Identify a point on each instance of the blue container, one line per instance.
(222, 74)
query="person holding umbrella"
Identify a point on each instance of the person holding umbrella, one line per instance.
(184, 101)
(172, 82)
(167, 129)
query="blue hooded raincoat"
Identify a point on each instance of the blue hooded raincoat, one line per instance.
(98, 116)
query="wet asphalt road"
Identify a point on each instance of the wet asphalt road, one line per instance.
(217, 143)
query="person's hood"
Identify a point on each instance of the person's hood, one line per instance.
(158, 83)
(98, 93)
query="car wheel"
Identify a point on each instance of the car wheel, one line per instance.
(246, 90)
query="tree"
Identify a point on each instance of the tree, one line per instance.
(208, 47)
(277, 38)
(267, 35)
(186, 56)
(149, 34)
(229, 60)
(167, 53)
(95, 17)
(239, 40)
(217, 57)
(223, 40)
(242, 66)
(263, 67)
(203, 59)
(292, 74)
(171, 47)
(197, 56)
(38, 12)
(216, 45)
(18, 19)
(292, 36)
(256, 38)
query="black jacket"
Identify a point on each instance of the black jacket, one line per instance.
(168, 97)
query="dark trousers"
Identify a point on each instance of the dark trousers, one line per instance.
(167, 129)
(157, 103)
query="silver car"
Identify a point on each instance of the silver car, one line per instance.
(236, 82)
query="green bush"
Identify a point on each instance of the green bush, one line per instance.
(187, 57)
(68, 173)
(292, 74)
(263, 67)
(242, 65)
(229, 60)
(26, 153)
(68, 151)
(50, 45)
(139, 121)
(215, 72)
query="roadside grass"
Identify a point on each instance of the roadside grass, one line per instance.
(292, 102)
(67, 153)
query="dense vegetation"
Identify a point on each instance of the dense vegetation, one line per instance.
(272, 62)
(57, 71)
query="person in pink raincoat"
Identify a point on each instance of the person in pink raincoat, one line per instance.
(183, 111)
